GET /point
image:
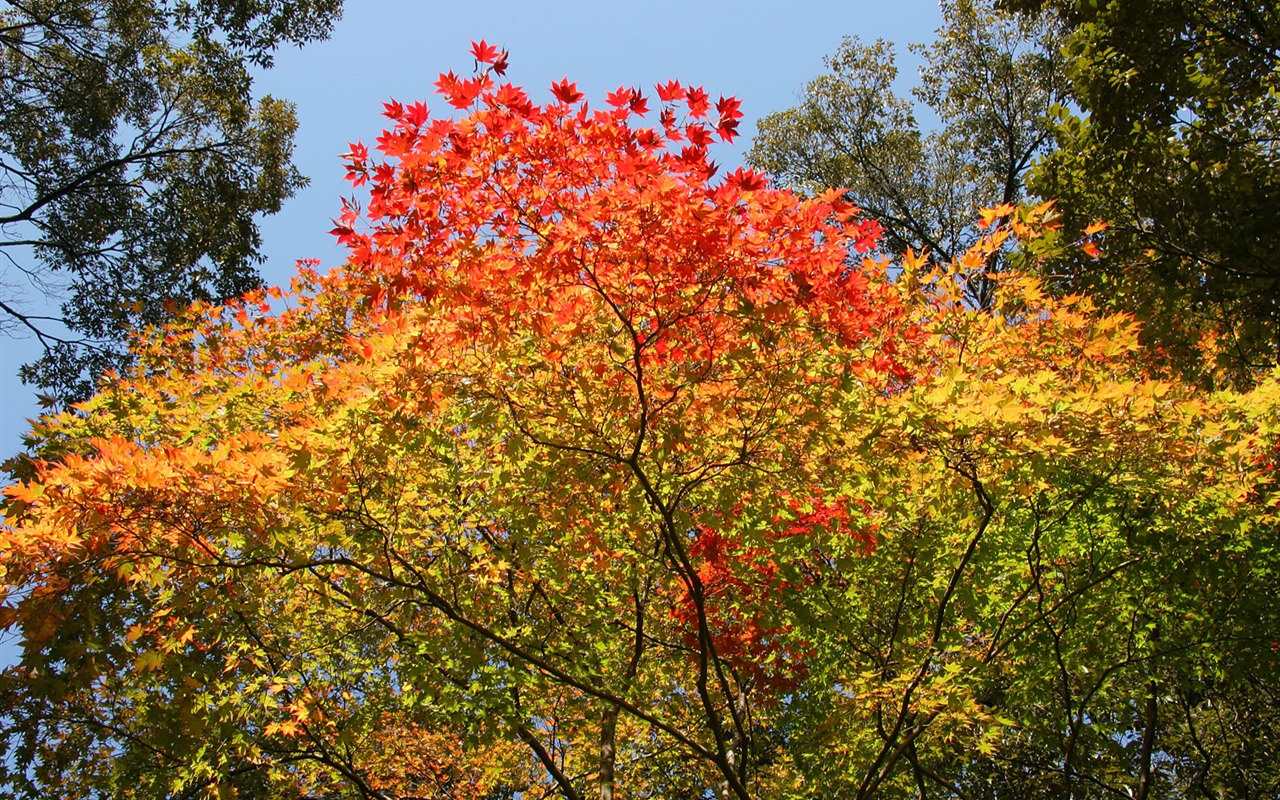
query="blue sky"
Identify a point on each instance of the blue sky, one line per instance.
(761, 52)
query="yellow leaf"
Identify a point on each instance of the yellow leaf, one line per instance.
(151, 660)
(287, 728)
(911, 261)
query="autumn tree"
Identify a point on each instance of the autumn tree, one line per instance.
(134, 164)
(590, 474)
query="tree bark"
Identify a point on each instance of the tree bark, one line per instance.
(608, 751)
(1148, 744)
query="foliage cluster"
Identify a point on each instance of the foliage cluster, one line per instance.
(1177, 146)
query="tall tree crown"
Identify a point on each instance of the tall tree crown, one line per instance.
(590, 473)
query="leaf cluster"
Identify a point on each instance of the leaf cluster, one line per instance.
(1174, 143)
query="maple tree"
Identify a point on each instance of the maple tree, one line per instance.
(592, 474)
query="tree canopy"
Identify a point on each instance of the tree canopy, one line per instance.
(989, 79)
(590, 474)
(134, 162)
(1157, 117)
(1175, 143)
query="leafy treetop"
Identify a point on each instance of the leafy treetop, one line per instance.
(589, 473)
(594, 349)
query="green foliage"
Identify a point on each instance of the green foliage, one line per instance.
(1176, 146)
(134, 162)
(1111, 596)
(1140, 666)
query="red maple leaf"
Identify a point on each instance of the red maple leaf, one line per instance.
(670, 92)
(668, 120)
(416, 114)
(344, 233)
(484, 52)
(728, 129)
(461, 94)
(357, 174)
(648, 139)
(697, 100)
(728, 107)
(868, 235)
(691, 155)
(514, 98)
(698, 135)
(460, 145)
(445, 84)
(746, 180)
(566, 92)
(356, 152)
(619, 98)
(840, 205)
(638, 104)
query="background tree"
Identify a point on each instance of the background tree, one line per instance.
(622, 481)
(1176, 144)
(991, 81)
(1166, 126)
(133, 163)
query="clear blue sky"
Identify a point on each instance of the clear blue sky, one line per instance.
(763, 52)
